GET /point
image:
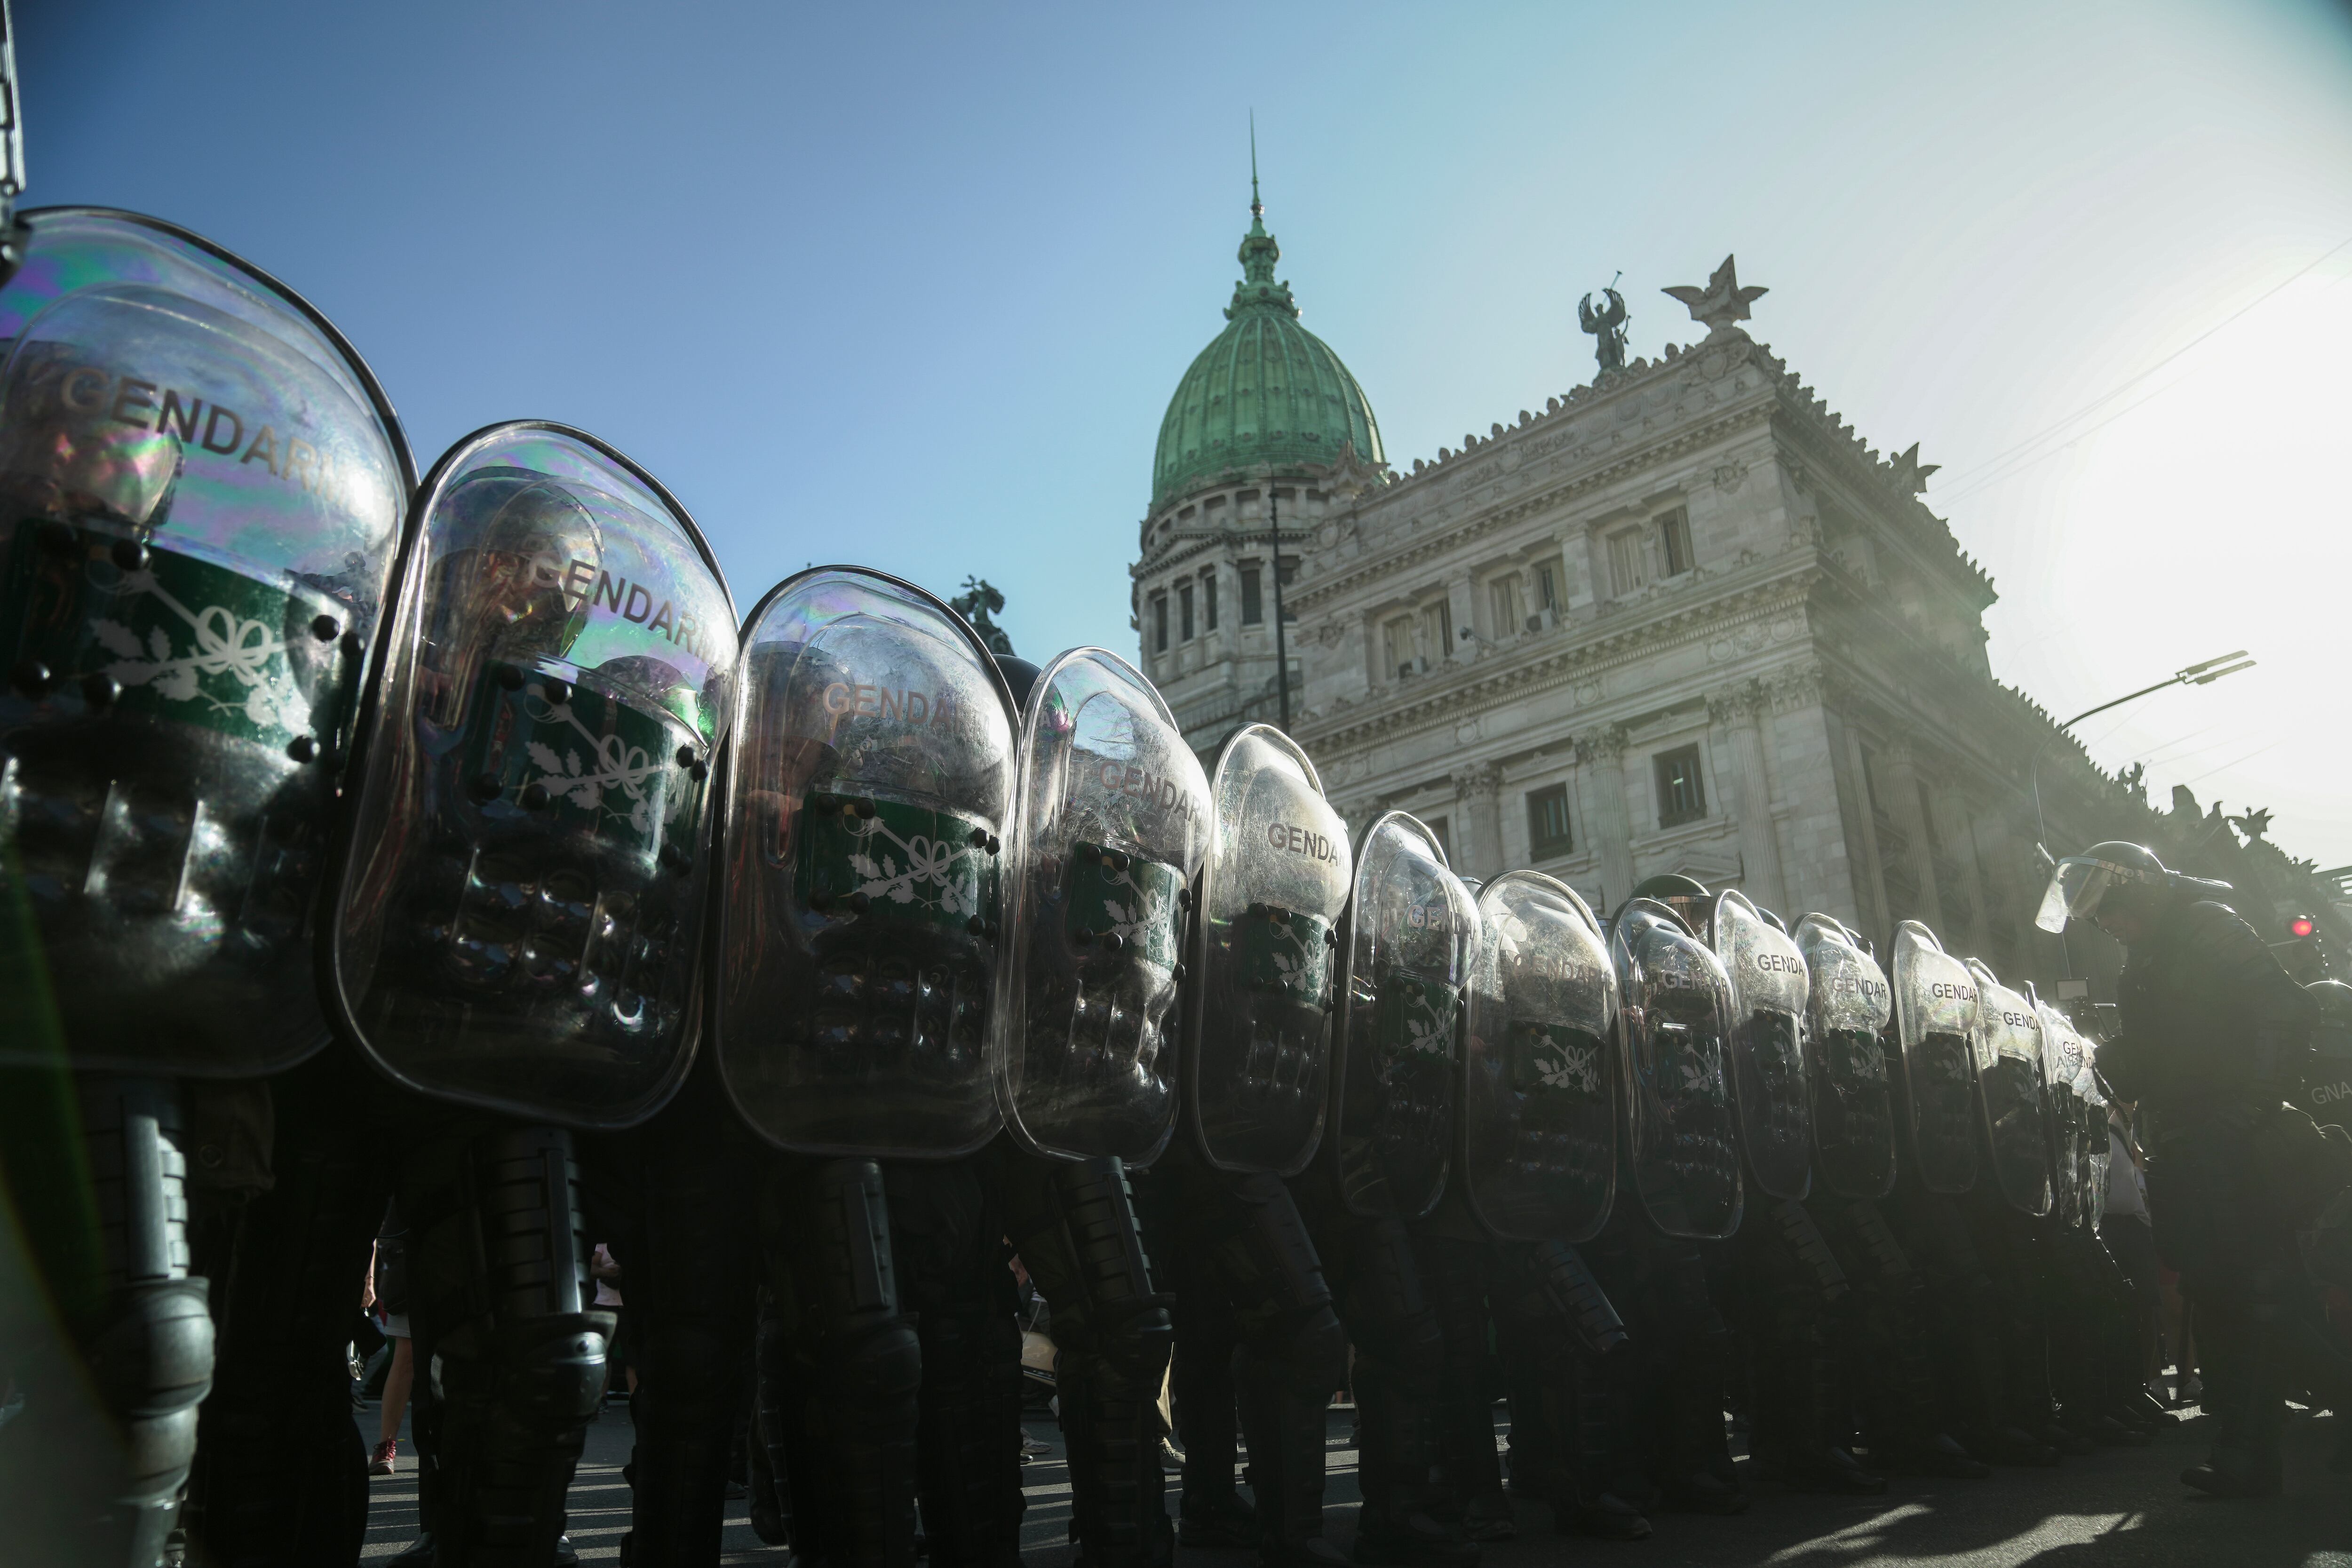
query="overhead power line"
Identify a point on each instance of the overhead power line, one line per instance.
(1992, 471)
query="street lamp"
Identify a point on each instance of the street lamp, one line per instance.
(2204, 674)
(1281, 650)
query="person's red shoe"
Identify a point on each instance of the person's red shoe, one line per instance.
(386, 1457)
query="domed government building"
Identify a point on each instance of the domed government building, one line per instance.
(1681, 618)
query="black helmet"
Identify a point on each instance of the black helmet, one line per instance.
(2333, 999)
(1019, 674)
(2079, 881)
(1686, 896)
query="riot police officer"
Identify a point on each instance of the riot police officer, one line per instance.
(2214, 1040)
(1854, 1113)
(519, 919)
(1941, 1163)
(860, 916)
(1388, 1149)
(1543, 1073)
(1249, 1284)
(204, 486)
(1796, 1305)
(1112, 823)
(1680, 1161)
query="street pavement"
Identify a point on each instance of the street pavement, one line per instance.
(2116, 1508)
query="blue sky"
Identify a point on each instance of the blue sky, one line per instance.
(910, 286)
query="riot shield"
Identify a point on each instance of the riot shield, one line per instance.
(1935, 1026)
(871, 779)
(2096, 1151)
(1676, 1012)
(1262, 986)
(2326, 1087)
(1111, 828)
(2009, 1088)
(201, 489)
(1769, 996)
(1404, 958)
(2062, 1060)
(1541, 1079)
(519, 913)
(1848, 1004)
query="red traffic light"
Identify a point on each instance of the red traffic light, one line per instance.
(2300, 926)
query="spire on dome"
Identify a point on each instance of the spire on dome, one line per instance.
(1258, 254)
(1257, 207)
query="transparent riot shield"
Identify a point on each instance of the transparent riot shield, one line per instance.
(1676, 1014)
(1404, 956)
(1769, 997)
(1848, 1005)
(201, 489)
(2009, 1088)
(1265, 965)
(2096, 1150)
(2061, 1071)
(520, 915)
(871, 780)
(1110, 831)
(1935, 1025)
(1540, 1078)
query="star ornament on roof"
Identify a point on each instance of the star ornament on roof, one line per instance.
(1910, 472)
(1722, 301)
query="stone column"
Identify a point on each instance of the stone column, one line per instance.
(1956, 812)
(1871, 883)
(1600, 758)
(1903, 783)
(1740, 713)
(1477, 794)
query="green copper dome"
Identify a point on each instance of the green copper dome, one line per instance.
(1266, 393)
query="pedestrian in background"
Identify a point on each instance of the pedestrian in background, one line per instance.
(387, 1292)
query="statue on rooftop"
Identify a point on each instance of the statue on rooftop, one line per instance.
(1608, 329)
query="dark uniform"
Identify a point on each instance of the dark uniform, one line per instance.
(2214, 1038)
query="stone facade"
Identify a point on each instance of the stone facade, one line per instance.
(1684, 619)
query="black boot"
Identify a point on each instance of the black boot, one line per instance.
(1396, 1464)
(1936, 1454)
(1211, 1521)
(1583, 1405)
(2235, 1473)
(1285, 1428)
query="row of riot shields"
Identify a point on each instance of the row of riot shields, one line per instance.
(295, 743)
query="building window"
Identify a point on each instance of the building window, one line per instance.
(1682, 797)
(1673, 541)
(1209, 597)
(1252, 608)
(1625, 564)
(1437, 630)
(1185, 612)
(1548, 586)
(1398, 650)
(1548, 835)
(1159, 623)
(1437, 831)
(1508, 605)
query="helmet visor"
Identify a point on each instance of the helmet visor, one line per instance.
(2075, 889)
